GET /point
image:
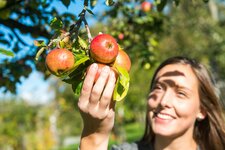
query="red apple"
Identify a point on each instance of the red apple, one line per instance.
(122, 60)
(121, 36)
(59, 60)
(104, 48)
(146, 6)
(100, 66)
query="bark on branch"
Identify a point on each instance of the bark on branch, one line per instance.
(10, 3)
(36, 30)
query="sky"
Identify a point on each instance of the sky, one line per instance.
(34, 89)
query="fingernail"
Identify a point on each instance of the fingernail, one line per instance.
(94, 66)
(112, 74)
(105, 69)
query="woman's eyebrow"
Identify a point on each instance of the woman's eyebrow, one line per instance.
(172, 73)
(169, 74)
(170, 83)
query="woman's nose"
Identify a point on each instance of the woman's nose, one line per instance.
(166, 98)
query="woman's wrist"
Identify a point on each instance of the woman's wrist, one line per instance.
(94, 141)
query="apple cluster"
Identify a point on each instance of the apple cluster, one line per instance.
(70, 57)
(105, 50)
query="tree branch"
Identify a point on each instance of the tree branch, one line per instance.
(17, 36)
(11, 3)
(88, 30)
(36, 30)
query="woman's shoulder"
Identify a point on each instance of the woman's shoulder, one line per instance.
(132, 146)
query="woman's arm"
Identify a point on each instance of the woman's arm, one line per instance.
(97, 109)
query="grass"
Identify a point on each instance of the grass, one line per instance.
(133, 132)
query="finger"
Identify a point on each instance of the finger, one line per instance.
(87, 85)
(99, 86)
(108, 91)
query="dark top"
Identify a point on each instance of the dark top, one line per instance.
(132, 146)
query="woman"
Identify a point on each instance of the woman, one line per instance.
(183, 109)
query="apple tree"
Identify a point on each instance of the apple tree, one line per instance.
(24, 20)
(147, 33)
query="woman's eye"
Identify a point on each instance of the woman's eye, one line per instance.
(181, 93)
(157, 87)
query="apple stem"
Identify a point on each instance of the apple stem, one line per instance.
(50, 44)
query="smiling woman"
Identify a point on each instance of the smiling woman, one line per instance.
(183, 110)
(174, 105)
(183, 107)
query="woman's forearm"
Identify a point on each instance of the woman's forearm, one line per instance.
(94, 141)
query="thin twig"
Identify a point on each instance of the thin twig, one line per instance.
(18, 37)
(75, 27)
(88, 30)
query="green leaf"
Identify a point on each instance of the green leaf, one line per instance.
(62, 44)
(109, 2)
(177, 2)
(93, 3)
(66, 3)
(6, 52)
(56, 23)
(90, 12)
(77, 86)
(122, 84)
(39, 43)
(3, 3)
(81, 58)
(40, 51)
(83, 44)
(76, 78)
(161, 4)
(5, 14)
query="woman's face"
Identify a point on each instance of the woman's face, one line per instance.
(174, 104)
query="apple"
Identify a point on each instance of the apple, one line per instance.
(146, 6)
(104, 48)
(59, 60)
(100, 67)
(122, 60)
(121, 36)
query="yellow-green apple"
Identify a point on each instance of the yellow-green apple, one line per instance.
(122, 60)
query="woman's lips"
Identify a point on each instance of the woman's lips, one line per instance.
(164, 116)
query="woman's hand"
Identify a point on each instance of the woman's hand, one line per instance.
(97, 108)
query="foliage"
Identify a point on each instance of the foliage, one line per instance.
(198, 35)
(16, 118)
(171, 28)
(25, 19)
(23, 125)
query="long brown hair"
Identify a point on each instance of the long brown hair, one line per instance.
(210, 132)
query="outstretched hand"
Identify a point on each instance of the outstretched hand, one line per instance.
(97, 108)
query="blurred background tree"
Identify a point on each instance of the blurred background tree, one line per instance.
(170, 27)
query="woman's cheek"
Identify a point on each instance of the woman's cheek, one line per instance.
(152, 104)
